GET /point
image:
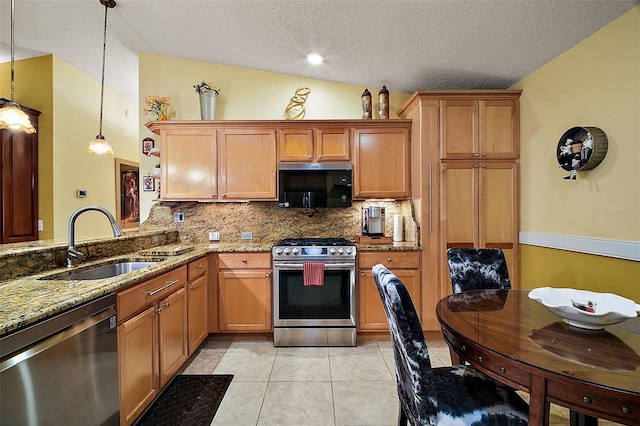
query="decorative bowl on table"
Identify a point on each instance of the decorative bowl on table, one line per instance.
(585, 309)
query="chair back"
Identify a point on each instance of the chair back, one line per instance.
(409, 345)
(477, 269)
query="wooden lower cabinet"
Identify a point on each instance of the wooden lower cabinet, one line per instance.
(405, 265)
(244, 292)
(152, 339)
(197, 297)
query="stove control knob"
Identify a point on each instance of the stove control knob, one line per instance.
(287, 251)
(294, 251)
(278, 251)
(340, 251)
(349, 250)
(332, 251)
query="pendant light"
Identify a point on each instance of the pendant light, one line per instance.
(100, 145)
(11, 115)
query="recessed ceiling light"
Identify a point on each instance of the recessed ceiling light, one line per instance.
(314, 58)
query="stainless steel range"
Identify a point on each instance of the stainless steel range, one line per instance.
(314, 297)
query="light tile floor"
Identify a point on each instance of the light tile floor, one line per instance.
(316, 386)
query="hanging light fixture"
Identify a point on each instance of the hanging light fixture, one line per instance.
(11, 115)
(100, 145)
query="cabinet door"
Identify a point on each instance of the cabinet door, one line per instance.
(244, 300)
(381, 163)
(295, 145)
(173, 334)
(371, 316)
(459, 129)
(479, 204)
(499, 129)
(188, 164)
(138, 364)
(197, 312)
(247, 164)
(479, 129)
(333, 145)
(19, 184)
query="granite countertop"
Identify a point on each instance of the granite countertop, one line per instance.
(29, 299)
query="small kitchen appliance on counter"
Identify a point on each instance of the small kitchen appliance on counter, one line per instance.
(322, 313)
(373, 221)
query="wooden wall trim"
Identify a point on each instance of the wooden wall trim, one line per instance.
(628, 250)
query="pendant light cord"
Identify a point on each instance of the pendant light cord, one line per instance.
(104, 49)
(13, 18)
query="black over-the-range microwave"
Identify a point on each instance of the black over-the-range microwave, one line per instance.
(314, 185)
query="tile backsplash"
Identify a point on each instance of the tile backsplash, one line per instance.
(270, 223)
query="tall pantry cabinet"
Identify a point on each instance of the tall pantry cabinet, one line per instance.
(464, 180)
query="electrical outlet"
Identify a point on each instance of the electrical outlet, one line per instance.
(178, 217)
(40, 225)
(247, 235)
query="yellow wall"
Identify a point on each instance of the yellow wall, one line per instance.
(246, 94)
(595, 83)
(69, 100)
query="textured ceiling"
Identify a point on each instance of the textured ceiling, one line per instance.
(407, 45)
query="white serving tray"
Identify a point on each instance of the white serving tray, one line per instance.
(609, 308)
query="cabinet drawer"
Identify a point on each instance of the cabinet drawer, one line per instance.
(196, 268)
(595, 401)
(498, 366)
(143, 295)
(390, 259)
(244, 261)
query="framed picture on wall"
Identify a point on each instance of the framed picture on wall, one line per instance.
(148, 183)
(147, 145)
(127, 193)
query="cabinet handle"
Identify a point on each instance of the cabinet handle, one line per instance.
(158, 310)
(165, 305)
(193, 287)
(200, 266)
(169, 284)
(244, 260)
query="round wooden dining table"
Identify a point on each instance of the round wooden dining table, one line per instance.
(517, 341)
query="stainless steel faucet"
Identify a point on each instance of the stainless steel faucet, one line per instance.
(74, 255)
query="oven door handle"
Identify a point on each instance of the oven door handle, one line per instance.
(298, 265)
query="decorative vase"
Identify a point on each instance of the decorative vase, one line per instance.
(208, 105)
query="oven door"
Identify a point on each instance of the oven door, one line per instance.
(331, 305)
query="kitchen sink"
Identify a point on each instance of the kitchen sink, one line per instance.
(100, 272)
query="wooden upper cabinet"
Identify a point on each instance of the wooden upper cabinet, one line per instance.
(482, 129)
(188, 164)
(247, 164)
(381, 163)
(300, 145)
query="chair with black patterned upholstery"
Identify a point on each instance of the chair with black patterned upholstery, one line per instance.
(478, 269)
(456, 395)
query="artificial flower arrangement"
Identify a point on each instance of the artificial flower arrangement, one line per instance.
(206, 87)
(158, 105)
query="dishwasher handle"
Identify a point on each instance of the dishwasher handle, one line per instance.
(61, 336)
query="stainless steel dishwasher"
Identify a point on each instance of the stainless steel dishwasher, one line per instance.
(63, 370)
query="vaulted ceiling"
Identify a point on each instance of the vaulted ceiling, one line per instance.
(405, 44)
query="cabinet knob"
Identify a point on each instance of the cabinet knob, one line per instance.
(319, 157)
(200, 266)
(388, 259)
(193, 287)
(213, 195)
(476, 155)
(480, 359)
(626, 410)
(586, 399)
(158, 310)
(483, 165)
(244, 260)
(267, 275)
(224, 195)
(503, 370)
(362, 274)
(484, 155)
(166, 304)
(308, 157)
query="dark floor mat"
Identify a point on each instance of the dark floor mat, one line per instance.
(190, 399)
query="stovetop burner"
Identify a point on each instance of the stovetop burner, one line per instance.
(314, 242)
